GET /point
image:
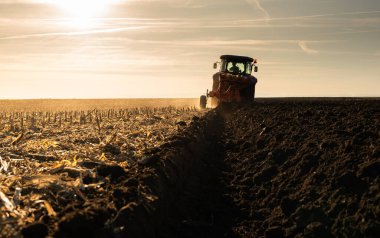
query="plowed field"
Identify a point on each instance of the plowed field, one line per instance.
(276, 168)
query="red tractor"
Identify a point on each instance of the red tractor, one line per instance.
(233, 82)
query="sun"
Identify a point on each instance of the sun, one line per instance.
(82, 8)
(82, 13)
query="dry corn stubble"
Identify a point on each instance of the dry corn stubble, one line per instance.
(49, 159)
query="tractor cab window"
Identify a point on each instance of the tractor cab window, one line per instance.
(235, 67)
(223, 66)
(248, 67)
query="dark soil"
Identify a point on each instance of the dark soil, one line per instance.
(291, 168)
(276, 168)
(305, 168)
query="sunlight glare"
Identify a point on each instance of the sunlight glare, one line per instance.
(83, 13)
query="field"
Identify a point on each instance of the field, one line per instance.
(276, 168)
(56, 105)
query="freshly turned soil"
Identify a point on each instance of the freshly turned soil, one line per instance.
(274, 168)
(291, 168)
(304, 168)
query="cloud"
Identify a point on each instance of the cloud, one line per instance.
(305, 17)
(306, 49)
(351, 32)
(262, 9)
(374, 21)
(256, 3)
(74, 33)
(337, 14)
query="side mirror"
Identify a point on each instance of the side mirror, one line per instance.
(215, 65)
(255, 69)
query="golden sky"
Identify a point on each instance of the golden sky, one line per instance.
(166, 48)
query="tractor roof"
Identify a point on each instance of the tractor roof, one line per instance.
(236, 58)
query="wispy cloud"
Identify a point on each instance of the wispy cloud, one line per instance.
(256, 3)
(351, 32)
(211, 42)
(306, 49)
(375, 21)
(338, 14)
(303, 17)
(73, 33)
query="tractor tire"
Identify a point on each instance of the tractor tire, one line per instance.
(203, 102)
(248, 94)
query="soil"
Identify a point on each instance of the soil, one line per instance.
(305, 168)
(274, 168)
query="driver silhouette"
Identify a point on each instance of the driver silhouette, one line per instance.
(234, 69)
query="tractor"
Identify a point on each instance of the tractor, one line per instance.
(233, 83)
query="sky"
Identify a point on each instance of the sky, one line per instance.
(166, 48)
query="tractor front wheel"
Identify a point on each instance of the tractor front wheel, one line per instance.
(203, 102)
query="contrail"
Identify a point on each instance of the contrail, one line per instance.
(257, 4)
(74, 33)
(262, 9)
(312, 16)
(333, 14)
(306, 49)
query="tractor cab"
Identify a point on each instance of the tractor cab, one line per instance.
(233, 82)
(236, 65)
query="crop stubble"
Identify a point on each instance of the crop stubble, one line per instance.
(53, 160)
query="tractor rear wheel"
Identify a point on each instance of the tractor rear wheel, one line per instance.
(203, 102)
(248, 94)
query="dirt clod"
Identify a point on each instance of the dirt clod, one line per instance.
(114, 171)
(35, 230)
